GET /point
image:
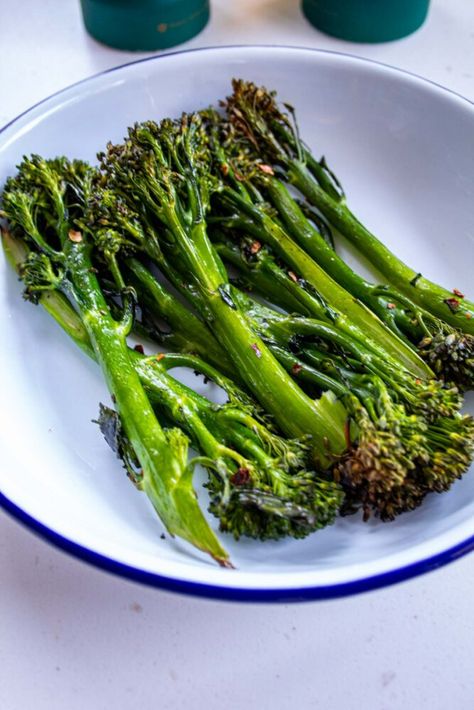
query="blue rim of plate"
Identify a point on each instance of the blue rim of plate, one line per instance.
(213, 591)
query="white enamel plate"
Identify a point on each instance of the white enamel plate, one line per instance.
(404, 150)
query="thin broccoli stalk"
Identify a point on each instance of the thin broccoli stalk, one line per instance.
(257, 116)
(163, 170)
(259, 271)
(254, 276)
(257, 483)
(310, 239)
(446, 351)
(431, 397)
(449, 306)
(43, 215)
(350, 315)
(158, 300)
(260, 268)
(449, 351)
(246, 211)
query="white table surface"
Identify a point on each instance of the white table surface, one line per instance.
(73, 637)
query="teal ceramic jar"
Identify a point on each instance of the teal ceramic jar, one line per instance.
(144, 25)
(367, 20)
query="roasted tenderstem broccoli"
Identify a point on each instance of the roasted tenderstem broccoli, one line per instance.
(258, 484)
(44, 204)
(437, 323)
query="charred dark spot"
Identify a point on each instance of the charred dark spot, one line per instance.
(240, 477)
(452, 303)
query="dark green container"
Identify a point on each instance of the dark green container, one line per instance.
(367, 20)
(144, 25)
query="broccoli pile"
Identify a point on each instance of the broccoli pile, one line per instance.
(210, 235)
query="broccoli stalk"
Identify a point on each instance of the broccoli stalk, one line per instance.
(258, 485)
(186, 332)
(314, 289)
(258, 119)
(447, 350)
(408, 443)
(242, 208)
(161, 173)
(42, 204)
(296, 294)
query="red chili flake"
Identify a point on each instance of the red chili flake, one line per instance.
(468, 315)
(256, 350)
(267, 169)
(391, 306)
(255, 247)
(458, 293)
(453, 303)
(160, 356)
(75, 236)
(139, 348)
(224, 169)
(293, 276)
(418, 381)
(240, 477)
(296, 368)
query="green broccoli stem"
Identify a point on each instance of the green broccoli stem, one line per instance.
(162, 464)
(301, 371)
(457, 311)
(55, 303)
(296, 414)
(448, 351)
(316, 246)
(350, 315)
(197, 336)
(162, 470)
(263, 276)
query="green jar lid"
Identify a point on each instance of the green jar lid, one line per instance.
(144, 25)
(367, 20)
